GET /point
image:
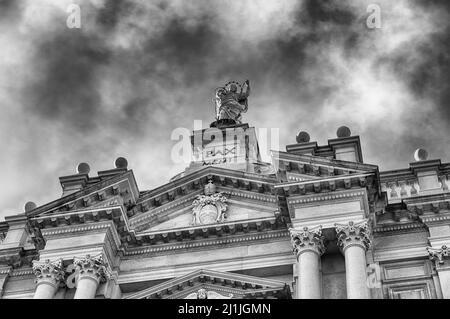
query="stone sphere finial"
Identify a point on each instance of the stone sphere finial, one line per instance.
(302, 137)
(343, 131)
(29, 206)
(420, 155)
(83, 168)
(121, 162)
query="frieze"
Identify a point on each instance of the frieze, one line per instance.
(205, 243)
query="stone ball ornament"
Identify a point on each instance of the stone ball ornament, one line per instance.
(343, 131)
(29, 206)
(303, 137)
(121, 162)
(83, 168)
(420, 155)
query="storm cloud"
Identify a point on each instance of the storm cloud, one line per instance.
(136, 70)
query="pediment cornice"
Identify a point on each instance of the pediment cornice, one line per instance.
(123, 186)
(229, 282)
(285, 158)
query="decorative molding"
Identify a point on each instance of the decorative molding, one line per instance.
(328, 196)
(108, 225)
(137, 221)
(22, 272)
(307, 239)
(353, 234)
(397, 227)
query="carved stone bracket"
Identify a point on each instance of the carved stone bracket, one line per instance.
(307, 239)
(353, 234)
(93, 267)
(47, 271)
(439, 255)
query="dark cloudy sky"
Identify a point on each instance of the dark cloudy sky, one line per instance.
(136, 70)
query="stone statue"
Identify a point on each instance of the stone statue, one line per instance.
(230, 103)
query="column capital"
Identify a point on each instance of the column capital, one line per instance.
(92, 267)
(307, 239)
(353, 234)
(50, 272)
(439, 255)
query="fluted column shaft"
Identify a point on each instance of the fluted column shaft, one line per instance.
(92, 271)
(308, 247)
(353, 240)
(48, 276)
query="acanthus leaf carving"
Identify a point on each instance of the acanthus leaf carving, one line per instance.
(307, 239)
(353, 234)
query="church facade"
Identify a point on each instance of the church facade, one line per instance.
(316, 222)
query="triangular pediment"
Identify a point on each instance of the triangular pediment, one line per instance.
(172, 207)
(215, 285)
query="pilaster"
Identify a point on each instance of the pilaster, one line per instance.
(441, 257)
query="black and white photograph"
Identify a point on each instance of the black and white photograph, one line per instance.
(237, 150)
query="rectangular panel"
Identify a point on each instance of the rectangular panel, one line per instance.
(327, 209)
(404, 272)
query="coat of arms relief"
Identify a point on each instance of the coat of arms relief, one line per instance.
(209, 208)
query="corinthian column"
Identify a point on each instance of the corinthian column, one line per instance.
(353, 240)
(92, 271)
(48, 276)
(308, 247)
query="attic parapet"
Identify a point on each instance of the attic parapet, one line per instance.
(73, 183)
(344, 148)
(426, 177)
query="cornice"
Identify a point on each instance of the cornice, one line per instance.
(206, 173)
(87, 191)
(398, 227)
(139, 219)
(82, 228)
(323, 180)
(305, 199)
(22, 272)
(435, 218)
(324, 162)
